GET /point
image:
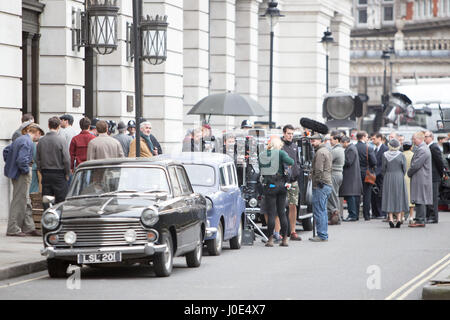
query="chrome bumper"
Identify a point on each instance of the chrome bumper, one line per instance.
(252, 210)
(210, 231)
(147, 249)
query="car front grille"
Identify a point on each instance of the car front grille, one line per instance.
(101, 232)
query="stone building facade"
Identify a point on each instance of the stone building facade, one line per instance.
(418, 33)
(213, 46)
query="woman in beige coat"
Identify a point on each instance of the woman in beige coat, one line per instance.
(407, 146)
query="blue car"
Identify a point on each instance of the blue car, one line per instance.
(214, 176)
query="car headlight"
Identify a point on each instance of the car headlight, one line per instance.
(50, 220)
(70, 237)
(253, 202)
(130, 236)
(150, 217)
(209, 204)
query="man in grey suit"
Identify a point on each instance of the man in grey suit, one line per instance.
(421, 179)
(337, 166)
(123, 138)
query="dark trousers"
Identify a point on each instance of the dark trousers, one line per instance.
(352, 208)
(432, 209)
(54, 183)
(376, 198)
(276, 205)
(367, 195)
(420, 213)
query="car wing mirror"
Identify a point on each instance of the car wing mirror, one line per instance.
(49, 200)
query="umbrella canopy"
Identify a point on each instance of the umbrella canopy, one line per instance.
(228, 104)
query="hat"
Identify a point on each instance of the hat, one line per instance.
(66, 117)
(33, 125)
(121, 125)
(394, 143)
(131, 124)
(94, 123)
(207, 126)
(317, 136)
(246, 124)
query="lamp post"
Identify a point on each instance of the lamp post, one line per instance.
(148, 41)
(326, 41)
(272, 15)
(385, 97)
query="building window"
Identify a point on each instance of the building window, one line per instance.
(362, 16)
(388, 11)
(361, 9)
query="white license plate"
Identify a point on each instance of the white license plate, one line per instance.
(104, 257)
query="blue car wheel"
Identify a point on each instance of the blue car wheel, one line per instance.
(214, 246)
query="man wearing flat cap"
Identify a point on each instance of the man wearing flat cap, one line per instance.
(322, 186)
(18, 158)
(123, 138)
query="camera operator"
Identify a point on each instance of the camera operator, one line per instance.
(291, 149)
(271, 162)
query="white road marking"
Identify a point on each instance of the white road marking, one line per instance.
(22, 282)
(412, 281)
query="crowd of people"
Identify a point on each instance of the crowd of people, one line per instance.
(45, 163)
(395, 179)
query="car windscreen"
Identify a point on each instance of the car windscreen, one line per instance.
(201, 175)
(97, 181)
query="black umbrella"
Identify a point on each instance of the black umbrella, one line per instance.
(228, 104)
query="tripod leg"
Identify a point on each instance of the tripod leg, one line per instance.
(257, 228)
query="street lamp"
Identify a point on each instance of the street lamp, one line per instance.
(272, 15)
(149, 39)
(97, 29)
(386, 55)
(326, 41)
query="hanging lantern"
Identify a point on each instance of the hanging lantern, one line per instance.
(154, 39)
(102, 21)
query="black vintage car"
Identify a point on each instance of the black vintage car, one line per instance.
(121, 211)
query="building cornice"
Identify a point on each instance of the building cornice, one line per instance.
(409, 27)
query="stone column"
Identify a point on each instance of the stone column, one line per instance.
(10, 85)
(114, 74)
(196, 57)
(247, 24)
(61, 66)
(162, 102)
(339, 67)
(222, 53)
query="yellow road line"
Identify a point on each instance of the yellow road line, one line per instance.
(22, 282)
(421, 282)
(399, 290)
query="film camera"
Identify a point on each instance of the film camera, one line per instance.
(245, 146)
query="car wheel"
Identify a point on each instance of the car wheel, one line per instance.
(307, 224)
(57, 268)
(163, 262)
(215, 245)
(236, 241)
(194, 258)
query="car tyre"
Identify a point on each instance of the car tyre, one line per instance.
(307, 224)
(194, 258)
(215, 245)
(163, 262)
(236, 241)
(57, 268)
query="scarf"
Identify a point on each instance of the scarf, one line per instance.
(149, 142)
(391, 155)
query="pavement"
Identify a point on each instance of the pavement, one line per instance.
(19, 255)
